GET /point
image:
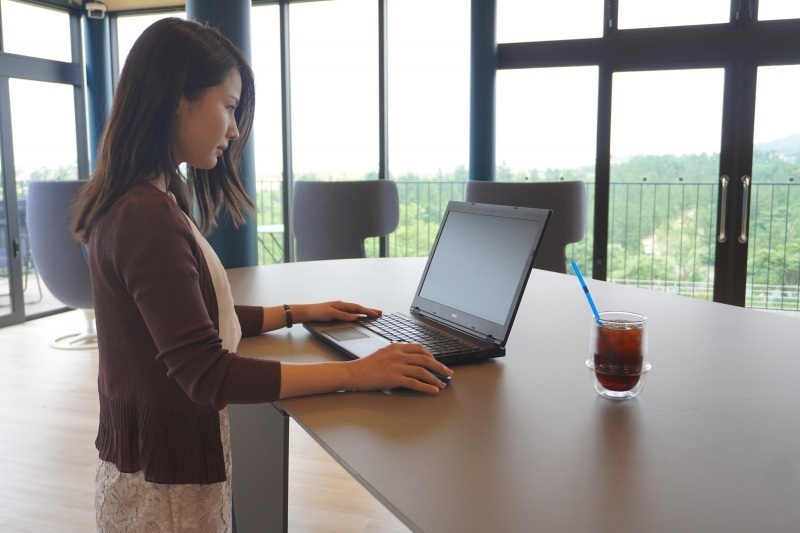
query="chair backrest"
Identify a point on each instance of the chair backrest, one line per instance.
(331, 219)
(567, 199)
(59, 258)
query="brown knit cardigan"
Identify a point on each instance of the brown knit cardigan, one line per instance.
(163, 374)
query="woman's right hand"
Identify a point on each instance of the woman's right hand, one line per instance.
(399, 365)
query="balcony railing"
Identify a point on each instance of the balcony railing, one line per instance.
(661, 235)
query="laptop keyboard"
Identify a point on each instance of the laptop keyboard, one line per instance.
(398, 328)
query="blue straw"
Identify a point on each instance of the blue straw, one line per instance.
(586, 291)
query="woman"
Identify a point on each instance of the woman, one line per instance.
(167, 326)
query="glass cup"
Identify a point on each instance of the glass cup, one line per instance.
(618, 354)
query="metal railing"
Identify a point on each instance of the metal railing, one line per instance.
(661, 235)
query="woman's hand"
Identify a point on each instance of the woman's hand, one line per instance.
(398, 365)
(331, 311)
(275, 317)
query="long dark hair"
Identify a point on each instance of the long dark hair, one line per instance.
(172, 58)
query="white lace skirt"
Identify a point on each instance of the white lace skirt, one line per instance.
(128, 503)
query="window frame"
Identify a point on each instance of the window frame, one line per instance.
(43, 70)
(740, 46)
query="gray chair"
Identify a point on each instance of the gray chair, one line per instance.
(59, 258)
(567, 199)
(27, 261)
(331, 219)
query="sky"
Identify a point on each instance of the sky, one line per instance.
(335, 88)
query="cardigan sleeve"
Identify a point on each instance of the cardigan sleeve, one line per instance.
(156, 257)
(251, 319)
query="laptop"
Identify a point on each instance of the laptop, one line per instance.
(470, 289)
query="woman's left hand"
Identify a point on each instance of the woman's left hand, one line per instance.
(331, 311)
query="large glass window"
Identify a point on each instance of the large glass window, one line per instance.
(773, 259)
(267, 135)
(334, 84)
(665, 145)
(778, 9)
(45, 148)
(5, 253)
(334, 78)
(130, 27)
(35, 31)
(658, 14)
(43, 126)
(546, 131)
(545, 20)
(428, 115)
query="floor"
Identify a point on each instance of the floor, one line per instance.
(48, 411)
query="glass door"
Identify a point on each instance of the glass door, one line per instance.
(704, 183)
(664, 164)
(6, 255)
(772, 231)
(697, 162)
(11, 311)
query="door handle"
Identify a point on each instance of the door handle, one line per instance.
(15, 247)
(723, 185)
(745, 209)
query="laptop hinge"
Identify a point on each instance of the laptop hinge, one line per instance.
(438, 319)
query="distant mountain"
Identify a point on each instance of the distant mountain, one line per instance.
(786, 146)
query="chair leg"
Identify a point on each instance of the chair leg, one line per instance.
(28, 268)
(38, 286)
(87, 340)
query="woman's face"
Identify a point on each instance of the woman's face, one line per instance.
(204, 127)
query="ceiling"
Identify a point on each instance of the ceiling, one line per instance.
(117, 5)
(127, 5)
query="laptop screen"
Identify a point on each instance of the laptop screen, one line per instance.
(479, 265)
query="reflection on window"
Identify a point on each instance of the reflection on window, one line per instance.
(778, 9)
(267, 135)
(334, 49)
(658, 14)
(545, 20)
(665, 142)
(773, 257)
(130, 27)
(43, 128)
(35, 31)
(428, 115)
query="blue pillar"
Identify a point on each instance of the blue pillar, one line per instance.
(483, 69)
(99, 93)
(235, 247)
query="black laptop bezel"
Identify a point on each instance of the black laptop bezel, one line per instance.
(471, 324)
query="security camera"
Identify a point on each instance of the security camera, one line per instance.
(95, 10)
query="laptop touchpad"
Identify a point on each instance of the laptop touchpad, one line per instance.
(346, 334)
